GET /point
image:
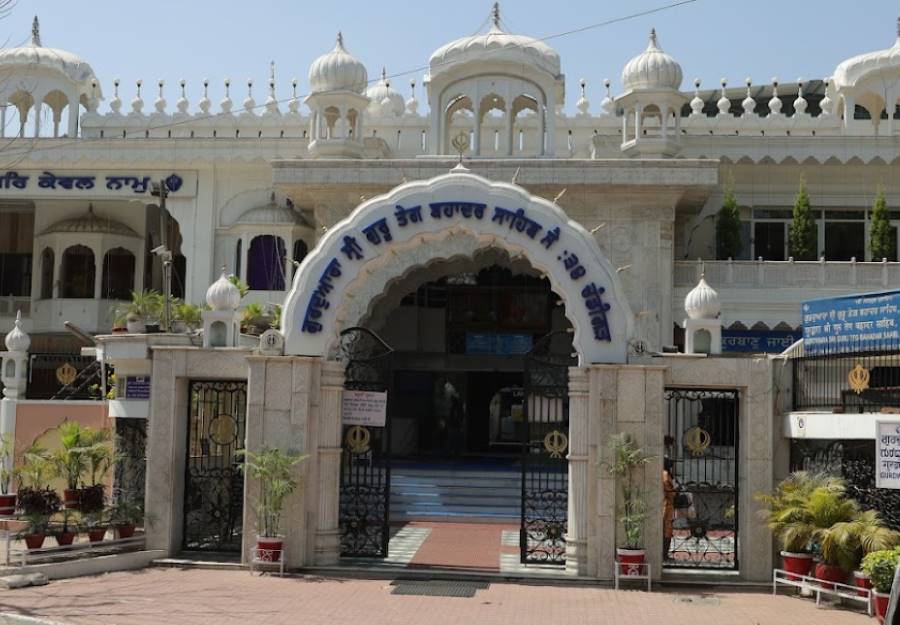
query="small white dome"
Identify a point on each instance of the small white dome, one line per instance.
(702, 302)
(385, 100)
(882, 65)
(337, 70)
(223, 295)
(17, 340)
(652, 69)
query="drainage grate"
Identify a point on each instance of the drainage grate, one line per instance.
(705, 600)
(437, 588)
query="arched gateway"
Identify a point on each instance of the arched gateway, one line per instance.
(456, 214)
(390, 246)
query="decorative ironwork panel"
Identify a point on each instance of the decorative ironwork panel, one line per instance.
(700, 479)
(366, 453)
(545, 468)
(854, 461)
(214, 476)
(131, 470)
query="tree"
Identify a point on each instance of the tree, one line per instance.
(803, 231)
(882, 238)
(728, 226)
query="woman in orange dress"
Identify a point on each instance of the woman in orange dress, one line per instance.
(669, 491)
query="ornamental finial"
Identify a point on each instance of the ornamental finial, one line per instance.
(340, 40)
(495, 15)
(36, 32)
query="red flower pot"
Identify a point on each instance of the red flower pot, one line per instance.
(34, 541)
(797, 563)
(125, 531)
(862, 581)
(72, 498)
(65, 538)
(268, 548)
(831, 575)
(881, 604)
(97, 534)
(630, 561)
(8, 504)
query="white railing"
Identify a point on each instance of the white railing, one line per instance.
(17, 555)
(820, 586)
(772, 274)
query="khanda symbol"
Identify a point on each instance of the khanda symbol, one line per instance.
(858, 378)
(556, 442)
(357, 439)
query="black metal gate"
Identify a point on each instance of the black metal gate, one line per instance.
(545, 444)
(366, 455)
(214, 476)
(700, 512)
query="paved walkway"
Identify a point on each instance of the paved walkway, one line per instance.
(215, 597)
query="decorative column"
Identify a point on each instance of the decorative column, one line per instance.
(576, 537)
(328, 538)
(13, 370)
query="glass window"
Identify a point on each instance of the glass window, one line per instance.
(769, 239)
(118, 274)
(15, 275)
(772, 213)
(845, 240)
(745, 253)
(77, 279)
(265, 263)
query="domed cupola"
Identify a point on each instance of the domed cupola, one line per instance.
(14, 361)
(337, 83)
(35, 76)
(337, 70)
(702, 302)
(652, 103)
(703, 327)
(223, 294)
(500, 75)
(652, 69)
(17, 340)
(384, 100)
(221, 324)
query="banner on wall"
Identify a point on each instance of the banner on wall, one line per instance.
(866, 321)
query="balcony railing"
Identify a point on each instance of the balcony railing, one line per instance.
(769, 274)
(864, 380)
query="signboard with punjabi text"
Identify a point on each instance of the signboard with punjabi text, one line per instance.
(366, 408)
(887, 455)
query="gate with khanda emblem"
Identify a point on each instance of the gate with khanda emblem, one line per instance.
(545, 445)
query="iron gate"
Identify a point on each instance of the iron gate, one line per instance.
(131, 469)
(214, 476)
(700, 513)
(366, 455)
(545, 443)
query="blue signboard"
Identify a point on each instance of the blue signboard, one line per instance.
(758, 341)
(867, 321)
(503, 343)
(137, 387)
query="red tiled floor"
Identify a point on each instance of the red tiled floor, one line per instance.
(201, 597)
(467, 546)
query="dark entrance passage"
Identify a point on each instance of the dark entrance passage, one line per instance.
(214, 476)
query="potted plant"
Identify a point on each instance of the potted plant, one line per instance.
(831, 514)
(125, 516)
(252, 318)
(37, 500)
(867, 533)
(69, 460)
(187, 317)
(627, 457)
(65, 534)
(93, 506)
(7, 498)
(880, 566)
(787, 515)
(99, 458)
(143, 307)
(274, 470)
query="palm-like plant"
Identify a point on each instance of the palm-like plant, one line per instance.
(98, 453)
(6, 472)
(861, 536)
(627, 456)
(786, 512)
(69, 460)
(274, 470)
(830, 515)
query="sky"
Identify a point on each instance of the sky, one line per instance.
(197, 39)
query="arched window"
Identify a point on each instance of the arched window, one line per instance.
(237, 258)
(78, 273)
(118, 274)
(300, 250)
(47, 266)
(265, 263)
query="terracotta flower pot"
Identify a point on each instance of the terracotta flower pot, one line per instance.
(797, 563)
(72, 498)
(268, 548)
(65, 538)
(862, 581)
(126, 530)
(95, 535)
(881, 604)
(630, 561)
(8, 504)
(34, 541)
(831, 574)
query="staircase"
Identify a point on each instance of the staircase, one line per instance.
(432, 492)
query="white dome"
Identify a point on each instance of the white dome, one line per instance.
(871, 64)
(495, 45)
(385, 101)
(33, 55)
(337, 70)
(702, 302)
(17, 340)
(223, 295)
(652, 69)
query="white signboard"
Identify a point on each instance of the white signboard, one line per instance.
(887, 455)
(364, 408)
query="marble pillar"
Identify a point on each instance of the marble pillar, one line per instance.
(328, 539)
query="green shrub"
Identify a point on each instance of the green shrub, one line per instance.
(880, 566)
